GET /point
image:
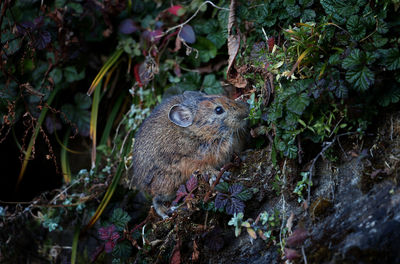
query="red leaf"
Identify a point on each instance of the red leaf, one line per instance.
(291, 254)
(136, 73)
(176, 10)
(180, 193)
(176, 254)
(191, 184)
(297, 238)
(105, 233)
(271, 43)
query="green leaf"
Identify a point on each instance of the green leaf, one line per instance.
(217, 38)
(341, 10)
(293, 10)
(379, 41)
(120, 219)
(60, 3)
(308, 15)
(72, 75)
(355, 27)
(245, 195)
(207, 50)
(334, 59)
(391, 58)
(352, 60)
(56, 75)
(297, 104)
(211, 85)
(82, 101)
(222, 187)
(391, 96)
(122, 250)
(361, 79)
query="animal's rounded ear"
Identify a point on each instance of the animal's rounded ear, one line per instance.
(180, 115)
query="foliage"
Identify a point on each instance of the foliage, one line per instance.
(232, 197)
(302, 185)
(265, 226)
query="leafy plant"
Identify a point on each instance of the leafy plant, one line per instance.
(302, 185)
(231, 197)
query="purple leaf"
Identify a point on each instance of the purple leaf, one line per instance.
(221, 200)
(234, 205)
(109, 246)
(127, 26)
(191, 184)
(105, 233)
(38, 22)
(214, 239)
(52, 124)
(187, 34)
(235, 189)
(180, 193)
(43, 38)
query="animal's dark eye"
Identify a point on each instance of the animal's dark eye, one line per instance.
(219, 110)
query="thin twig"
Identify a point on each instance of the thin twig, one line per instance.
(193, 16)
(221, 172)
(304, 254)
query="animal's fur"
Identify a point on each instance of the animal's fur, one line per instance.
(166, 154)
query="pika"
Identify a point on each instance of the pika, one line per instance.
(183, 134)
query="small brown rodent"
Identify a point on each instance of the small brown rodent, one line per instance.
(185, 133)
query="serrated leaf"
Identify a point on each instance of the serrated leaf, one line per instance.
(392, 96)
(391, 58)
(293, 10)
(122, 250)
(235, 189)
(245, 195)
(120, 219)
(361, 79)
(187, 34)
(234, 205)
(217, 38)
(308, 15)
(180, 193)
(221, 200)
(352, 60)
(207, 50)
(341, 90)
(191, 184)
(297, 104)
(211, 85)
(355, 27)
(222, 187)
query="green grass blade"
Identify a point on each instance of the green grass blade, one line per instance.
(107, 65)
(93, 123)
(111, 119)
(75, 245)
(66, 170)
(110, 190)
